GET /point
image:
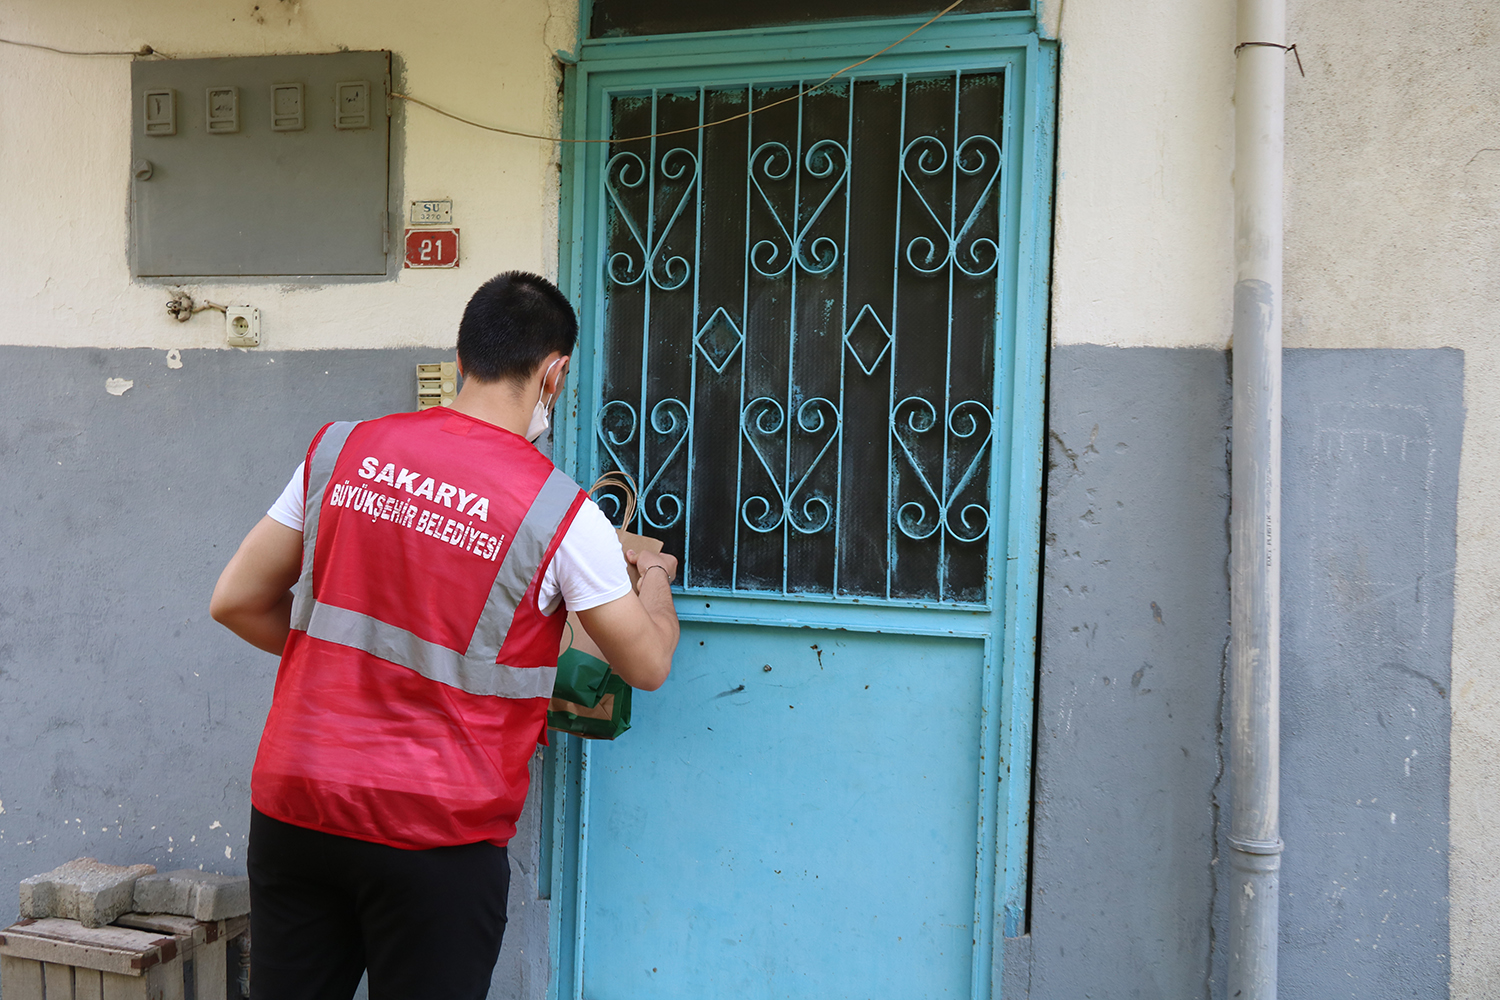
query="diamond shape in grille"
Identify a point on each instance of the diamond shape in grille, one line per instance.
(719, 340)
(867, 336)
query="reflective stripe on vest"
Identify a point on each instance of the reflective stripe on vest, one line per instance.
(319, 472)
(475, 670)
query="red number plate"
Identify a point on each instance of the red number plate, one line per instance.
(432, 248)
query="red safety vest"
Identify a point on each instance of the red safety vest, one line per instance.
(414, 684)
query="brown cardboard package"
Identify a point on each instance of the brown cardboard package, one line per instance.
(574, 635)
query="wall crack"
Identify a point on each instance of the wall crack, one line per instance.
(1214, 807)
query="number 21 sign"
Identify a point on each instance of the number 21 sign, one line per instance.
(432, 248)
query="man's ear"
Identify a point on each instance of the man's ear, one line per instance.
(559, 372)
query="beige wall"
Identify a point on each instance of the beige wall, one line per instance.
(1392, 240)
(65, 128)
(1143, 250)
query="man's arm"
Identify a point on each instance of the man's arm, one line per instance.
(638, 633)
(253, 596)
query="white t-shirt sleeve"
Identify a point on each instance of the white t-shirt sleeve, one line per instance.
(288, 508)
(588, 568)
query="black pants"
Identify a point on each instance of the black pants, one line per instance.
(427, 924)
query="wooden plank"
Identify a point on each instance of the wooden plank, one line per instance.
(188, 932)
(118, 987)
(20, 979)
(210, 972)
(171, 923)
(71, 953)
(166, 981)
(118, 938)
(57, 980)
(88, 984)
(165, 923)
(161, 982)
(66, 942)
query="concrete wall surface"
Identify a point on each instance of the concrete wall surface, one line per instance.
(1369, 500)
(1135, 608)
(65, 180)
(1131, 793)
(1143, 242)
(128, 718)
(1393, 231)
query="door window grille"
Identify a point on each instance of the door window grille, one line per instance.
(798, 314)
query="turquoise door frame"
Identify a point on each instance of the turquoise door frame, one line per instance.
(1005, 624)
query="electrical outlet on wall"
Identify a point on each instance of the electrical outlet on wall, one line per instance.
(242, 326)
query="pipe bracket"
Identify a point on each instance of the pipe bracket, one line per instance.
(1257, 846)
(1275, 45)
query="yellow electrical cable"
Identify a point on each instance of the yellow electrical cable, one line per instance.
(147, 50)
(144, 50)
(691, 128)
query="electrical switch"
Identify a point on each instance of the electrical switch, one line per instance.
(222, 106)
(352, 105)
(161, 112)
(286, 107)
(437, 385)
(242, 326)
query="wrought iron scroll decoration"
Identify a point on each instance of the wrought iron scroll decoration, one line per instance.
(970, 421)
(618, 426)
(921, 417)
(764, 417)
(618, 423)
(940, 449)
(627, 170)
(823, 159)
(969, 158)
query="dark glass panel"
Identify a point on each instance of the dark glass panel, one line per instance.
(798, 331)
(613, 18)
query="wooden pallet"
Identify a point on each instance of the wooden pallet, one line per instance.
(141, 957)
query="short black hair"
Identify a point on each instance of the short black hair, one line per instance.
(510, 326)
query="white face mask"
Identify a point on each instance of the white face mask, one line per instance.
(540, 420)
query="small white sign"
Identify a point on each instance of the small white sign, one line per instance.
(432, 213)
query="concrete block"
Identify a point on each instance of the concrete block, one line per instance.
(85, 890)
(188, 893)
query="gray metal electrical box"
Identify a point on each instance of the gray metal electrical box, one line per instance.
(260, 165)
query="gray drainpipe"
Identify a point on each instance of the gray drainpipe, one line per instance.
(1255, 504)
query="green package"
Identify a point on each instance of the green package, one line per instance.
(588, 700)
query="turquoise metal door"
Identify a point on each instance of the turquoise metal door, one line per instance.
(813, 334)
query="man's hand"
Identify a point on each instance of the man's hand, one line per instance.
(253, 596)
(638, 633)
(643, 561)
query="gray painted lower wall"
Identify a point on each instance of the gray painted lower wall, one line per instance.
(1135, 606)
(1129, 777)
(128, 718)
(1371, 450)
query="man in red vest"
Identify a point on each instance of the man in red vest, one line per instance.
(435, 556)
